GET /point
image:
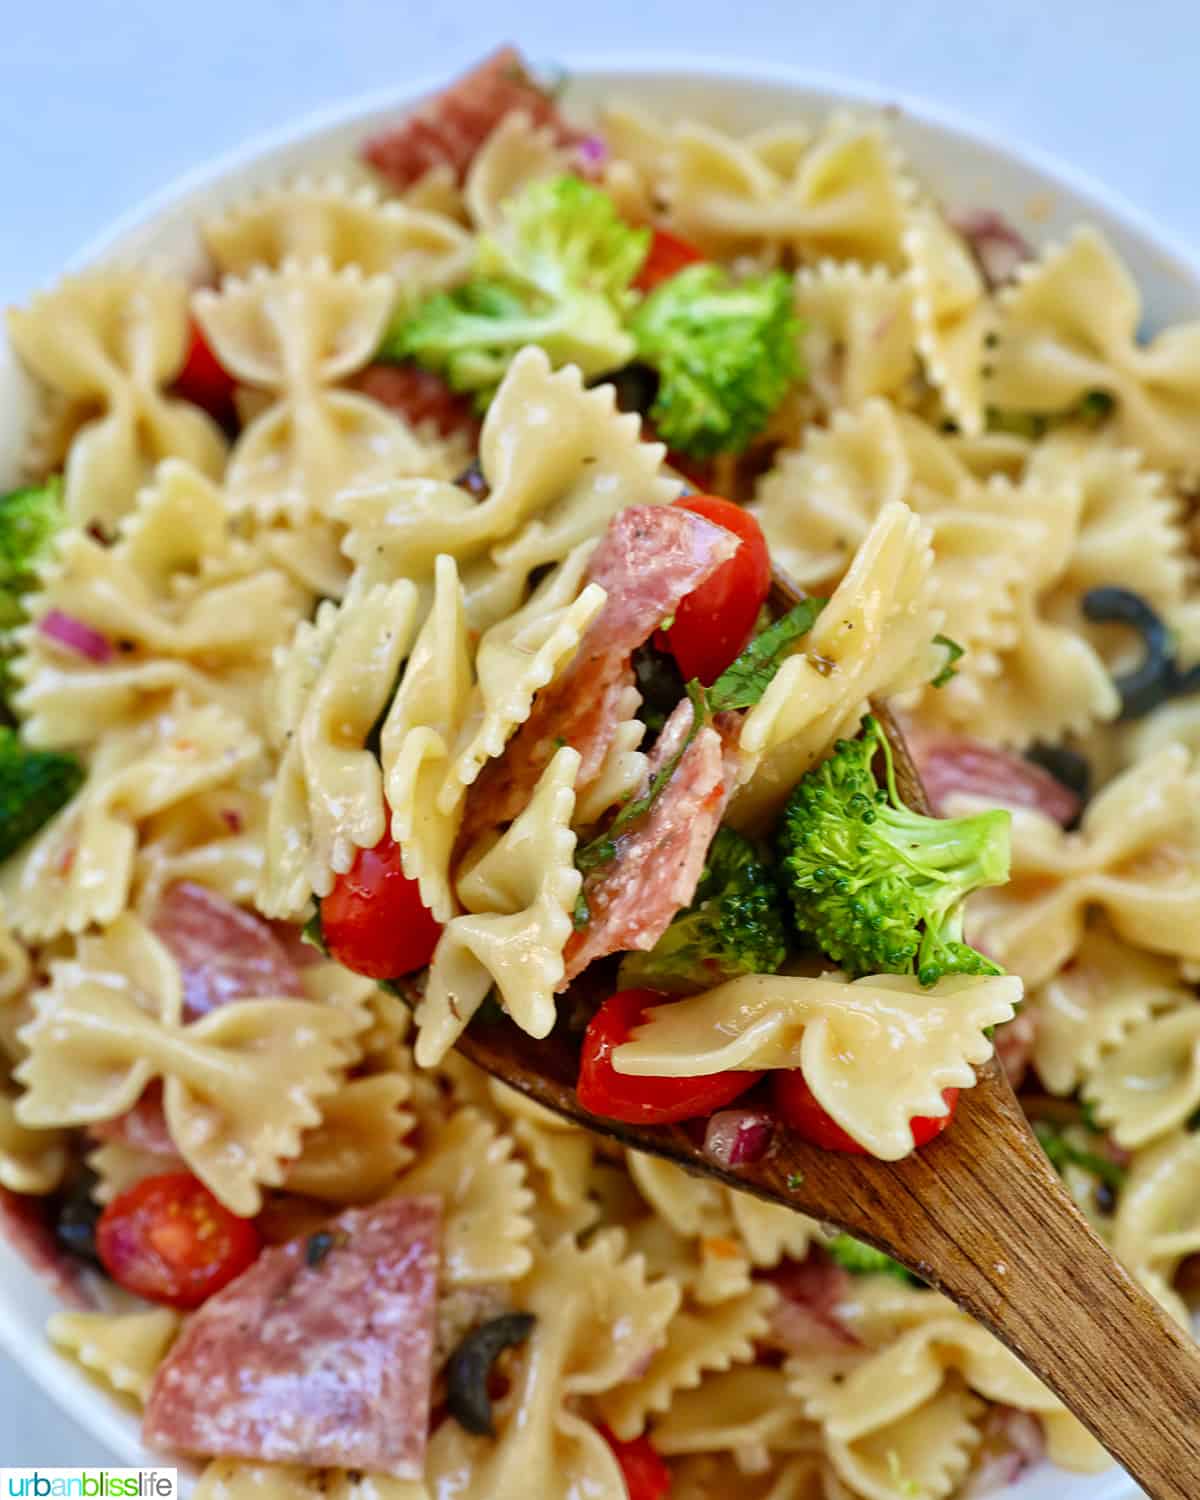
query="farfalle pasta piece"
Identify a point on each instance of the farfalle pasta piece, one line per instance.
(78, 870)
(332, 684)
(516, 154)
(953, 315)
(215, 838)
(710, 1271)
(487, 1232)
(710, 1476)
(749, 1413)
(123, 1349)
(111, 340)
(844, 197)
(361, 1145)
(238, 1479)
(16, 975)
(1107, 993)
(698, 1342)
(1070, 325)
(109, 1022)
(179, 603)
(1130, 532)
(347, 224)
(1136, 856)
(921, 1346)
(858, 338)
(559, 461)
(1149, 1084)
(519, 898)
(418, 738)
(722, 1220)
(520, 655)
(874, 638)
(596, 1319)
(818, 503)
(31, 1161)
(296, 331)
(875, 1053)
(1157, 1225)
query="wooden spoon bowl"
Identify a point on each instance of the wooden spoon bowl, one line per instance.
(978, 1213)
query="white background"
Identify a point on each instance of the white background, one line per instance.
(104, 101)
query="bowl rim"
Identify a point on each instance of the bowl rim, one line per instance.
(91, 1406)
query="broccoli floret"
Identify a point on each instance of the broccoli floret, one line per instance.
(864, 1260)
(34, 784)
(29, 521)
(735, 925)
(725, 352)
(557, 273)
(880, 888)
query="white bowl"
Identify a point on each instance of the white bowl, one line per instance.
(965, 169)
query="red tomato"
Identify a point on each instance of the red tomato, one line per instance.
(204, 381)
(666, 257)
(798, 1108)
(168, 1239)
(716, 620)
(374, 921)
(644, 1101)
(646, 1475)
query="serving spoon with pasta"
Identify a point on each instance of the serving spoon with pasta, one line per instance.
(978, 1213)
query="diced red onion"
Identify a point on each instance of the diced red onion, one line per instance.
(998, 247)
(737, 1137)
(1024, 1446)
(592, 151)
(75, 635)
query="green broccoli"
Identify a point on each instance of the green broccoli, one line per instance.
(29, 521)
(34, 784)
(863, 1260)
(878, 887)
(735, 925)
(725, 353)
(557, 274)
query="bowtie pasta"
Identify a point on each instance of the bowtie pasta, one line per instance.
(468, 605)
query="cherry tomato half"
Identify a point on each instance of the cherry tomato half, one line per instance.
(644, 1471)
(644, 1101)
(716, 620)
(798, 1108)
(666, 257)
(169, 1240)
(204, 381)
(374, 920)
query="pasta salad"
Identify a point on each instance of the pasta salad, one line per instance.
(469, 606)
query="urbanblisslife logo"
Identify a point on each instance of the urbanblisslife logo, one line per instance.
(90, 1484)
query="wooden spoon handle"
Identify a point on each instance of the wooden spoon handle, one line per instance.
(983, 1205)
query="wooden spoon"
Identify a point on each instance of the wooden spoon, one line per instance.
(978, 1213)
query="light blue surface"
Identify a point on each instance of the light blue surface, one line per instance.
(105, 101)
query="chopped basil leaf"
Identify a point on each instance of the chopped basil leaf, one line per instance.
(746, 679)
(953, 653)
(313, 934)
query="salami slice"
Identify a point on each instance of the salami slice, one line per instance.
(142, 1128)
(658, 863)
(420, 396)
(951, 763)
(805, 1319)
(449, 129)
(224, 952)
(650, 558)
(320, 1354)
(25, 1225)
